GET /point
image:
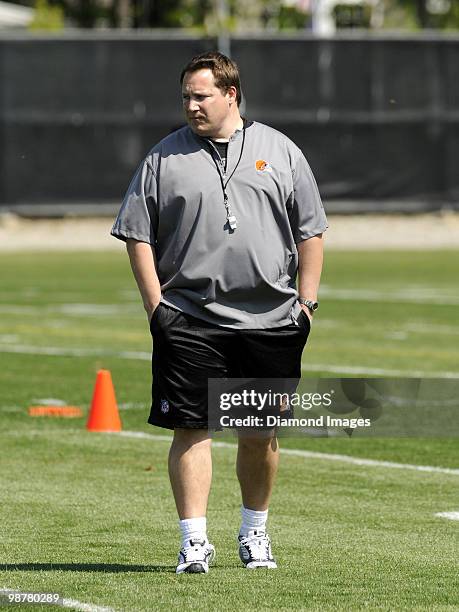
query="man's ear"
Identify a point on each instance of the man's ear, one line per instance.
(232, 94)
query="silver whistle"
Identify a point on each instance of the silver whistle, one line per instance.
(232, 222)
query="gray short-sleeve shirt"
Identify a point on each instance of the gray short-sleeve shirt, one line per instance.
(242, 279)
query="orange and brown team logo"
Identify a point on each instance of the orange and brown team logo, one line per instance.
(262, 166)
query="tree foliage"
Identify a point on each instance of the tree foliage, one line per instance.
(421, 14)
(204, 15)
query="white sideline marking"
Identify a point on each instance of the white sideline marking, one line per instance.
(452, 516)
(66, 603)
(56, 351)
(314, 455)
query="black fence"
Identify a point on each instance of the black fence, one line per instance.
(377, 118)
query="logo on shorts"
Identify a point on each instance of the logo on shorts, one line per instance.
(164, 406)
(262, 166)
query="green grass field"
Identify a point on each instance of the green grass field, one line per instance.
(90, 516)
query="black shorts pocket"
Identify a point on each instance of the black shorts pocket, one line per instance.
(304, 322)
(154, 317)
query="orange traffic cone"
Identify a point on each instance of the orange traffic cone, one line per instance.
(104, 415)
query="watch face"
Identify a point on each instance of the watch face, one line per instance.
(309, 303)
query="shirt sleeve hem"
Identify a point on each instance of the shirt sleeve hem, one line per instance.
(309, 234)
(122, 234)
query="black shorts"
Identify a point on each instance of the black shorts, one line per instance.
(188, 351)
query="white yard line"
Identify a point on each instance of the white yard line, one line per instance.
(132, 406)
(427, 328)
(73, 309)
(28, 349)
(412, 328)
(452, 516)
(84, 607)
(313, 455)
(318, 367)
(73, 604)
(410, 295)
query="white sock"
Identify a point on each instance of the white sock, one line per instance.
(193, 529)
(253, 520)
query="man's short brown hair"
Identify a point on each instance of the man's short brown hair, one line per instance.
(225, 71)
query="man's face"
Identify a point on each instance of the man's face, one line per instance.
(205, 105)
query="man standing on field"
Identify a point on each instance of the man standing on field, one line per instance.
(220, 217)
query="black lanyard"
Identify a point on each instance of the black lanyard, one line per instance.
(230, 218)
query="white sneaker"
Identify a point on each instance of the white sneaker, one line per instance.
(195, 558)
(255, 550)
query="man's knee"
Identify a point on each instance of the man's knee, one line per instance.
(187, 438)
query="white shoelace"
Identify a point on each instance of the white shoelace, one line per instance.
(258, 545)
(196, 552)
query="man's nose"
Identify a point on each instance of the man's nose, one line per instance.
(193, 106)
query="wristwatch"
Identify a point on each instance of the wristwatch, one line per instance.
(312, 306)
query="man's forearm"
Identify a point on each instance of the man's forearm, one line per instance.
(310, 259)
(143, 264)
